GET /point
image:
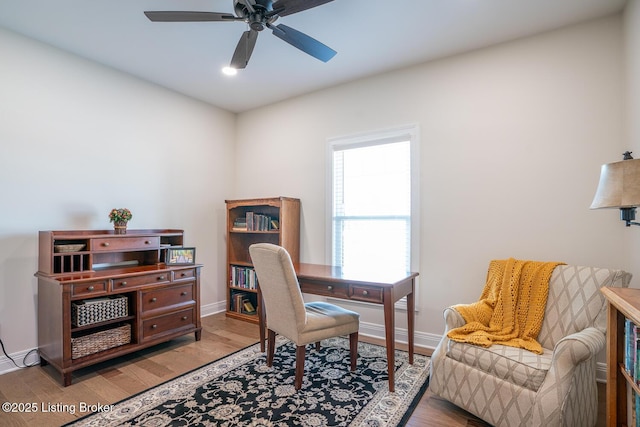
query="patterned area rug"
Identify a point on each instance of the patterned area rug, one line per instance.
(240, 390)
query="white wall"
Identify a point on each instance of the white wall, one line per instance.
(512, 139)
(77, 139)
(632, 98)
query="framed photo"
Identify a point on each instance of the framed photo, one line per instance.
(180, 256)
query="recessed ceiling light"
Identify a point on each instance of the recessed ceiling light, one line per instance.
(229, 71)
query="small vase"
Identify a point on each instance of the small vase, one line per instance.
(119, 228)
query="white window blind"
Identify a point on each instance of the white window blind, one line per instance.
(373, 202)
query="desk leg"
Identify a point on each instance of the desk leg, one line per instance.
(411, 316)
(389, 329)
(261, 319)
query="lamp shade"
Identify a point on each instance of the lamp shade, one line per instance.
(619, 185)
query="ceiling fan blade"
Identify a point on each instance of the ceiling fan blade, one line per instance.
(176, 16)
(303, 42)
(288, 7)
(244, 49)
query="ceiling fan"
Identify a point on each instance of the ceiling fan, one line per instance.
(259, 14)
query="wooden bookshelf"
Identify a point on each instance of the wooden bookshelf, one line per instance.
(275, 220)
(623, 303)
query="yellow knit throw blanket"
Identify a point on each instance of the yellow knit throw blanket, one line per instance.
(511, 308)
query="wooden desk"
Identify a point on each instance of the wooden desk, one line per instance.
(367, 286)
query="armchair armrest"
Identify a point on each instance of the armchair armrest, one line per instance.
(572, 355)
(452, 319)
(584, 344)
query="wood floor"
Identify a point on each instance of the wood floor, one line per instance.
(40, 388)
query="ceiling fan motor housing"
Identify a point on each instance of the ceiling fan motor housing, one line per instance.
(242, 11)
(256, 19)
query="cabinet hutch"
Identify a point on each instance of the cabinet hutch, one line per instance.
(102, 295)
(270, 220)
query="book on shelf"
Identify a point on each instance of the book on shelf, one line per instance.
(239, 224)
(631, 350)
(243, 277)
(259, 222)
(633, 402)
(248, 308)
(238, 299)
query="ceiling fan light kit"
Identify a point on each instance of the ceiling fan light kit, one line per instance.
(258, 15)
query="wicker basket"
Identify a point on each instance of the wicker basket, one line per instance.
(100, 341)
(97, 310)
(69, 248)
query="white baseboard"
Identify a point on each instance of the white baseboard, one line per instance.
(215, 308)
(601, 372)
(421, 339)
(6, 365)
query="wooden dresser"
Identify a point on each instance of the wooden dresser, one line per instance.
(102, 295)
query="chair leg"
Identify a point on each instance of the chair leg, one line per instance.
(271, 347)
(353, 350)
(317, 345)
(300, 353)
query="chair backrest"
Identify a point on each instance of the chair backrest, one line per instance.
(283, 302)
(575, 301)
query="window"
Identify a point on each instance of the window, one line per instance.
(373, 203)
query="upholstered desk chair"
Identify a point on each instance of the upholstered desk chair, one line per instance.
(508, 386)
(287, 314)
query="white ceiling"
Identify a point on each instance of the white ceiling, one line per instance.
(371, 37)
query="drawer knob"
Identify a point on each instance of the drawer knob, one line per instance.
(183, 293)
(105, 244)
(123, 283)
(184, 317)
(154, 326)
(90, 288)
(160, 277)
(330, 288)
(146, 242)
(154, 299)
(365, 293)
(183, 274)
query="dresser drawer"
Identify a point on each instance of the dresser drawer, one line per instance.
(122, 283)
(125, 243)
(188, 273)
(162, 298)
(167, 324)
(366, 294)
(338, 290)
(89, 289)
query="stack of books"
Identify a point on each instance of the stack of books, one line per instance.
(242, 304)
(243, 277)
(240, 224)
(632, 366)
(255, 222)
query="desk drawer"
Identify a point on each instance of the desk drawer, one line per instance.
(168, 324)
(161, 298)
(89, 288)
(135, 281)
(125, 243)
(366, 294)
(188, 273)
(337, 290)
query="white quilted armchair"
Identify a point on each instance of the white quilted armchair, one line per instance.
(507, 386)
